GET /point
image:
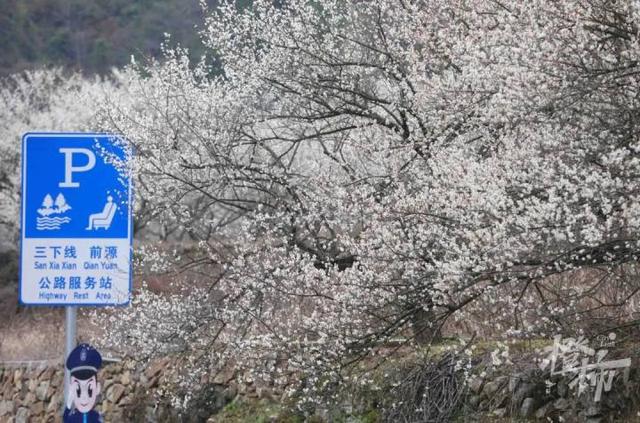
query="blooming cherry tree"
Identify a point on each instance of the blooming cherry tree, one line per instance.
(367, 170)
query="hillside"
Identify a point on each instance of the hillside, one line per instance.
(93, 36)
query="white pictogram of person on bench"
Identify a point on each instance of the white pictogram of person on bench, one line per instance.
(104, 218)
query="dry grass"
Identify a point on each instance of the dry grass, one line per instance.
(33, 335)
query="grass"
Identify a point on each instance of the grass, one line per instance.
(263, 411)
(259, 411)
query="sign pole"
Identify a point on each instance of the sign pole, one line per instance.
(70, 344)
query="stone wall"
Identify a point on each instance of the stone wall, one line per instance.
(129, 394)
(35, 393)
(535, 395)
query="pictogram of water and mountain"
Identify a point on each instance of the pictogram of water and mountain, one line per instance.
(51, 213)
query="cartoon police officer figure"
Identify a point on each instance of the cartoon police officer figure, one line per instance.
(83, 364)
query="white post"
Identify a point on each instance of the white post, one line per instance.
(70, 344)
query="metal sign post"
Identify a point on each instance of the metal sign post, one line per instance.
(70, 330)
(76, 224)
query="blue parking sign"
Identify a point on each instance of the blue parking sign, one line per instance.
(76, 225)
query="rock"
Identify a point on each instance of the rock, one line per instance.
(37, 408)
(569, 416)
(475, 384)
(542, 412)
(528, 407)
(561, 404)
(474, 401)
(514, 382)
(125, 379)
(204, 379)
(523, 391)
(224, 377)
(232, 391)
(39, 371)
(155, 369)
(43, 390)
(116, 393)
(143, 379)
(106, 383)
(151, 383)
(492, 387)
(126, 400)
(592, 410)
(55, 403)
(105, 407)
(502, 380)
(47, 374)
(51, 391)
(17, 376)
(22, 416)
(58, 379)
(563, 389)
(264, 393)
(500, 412)
(7, 390)
(6, 407)
(29, 399)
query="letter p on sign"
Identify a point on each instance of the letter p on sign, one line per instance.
(69, 168)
